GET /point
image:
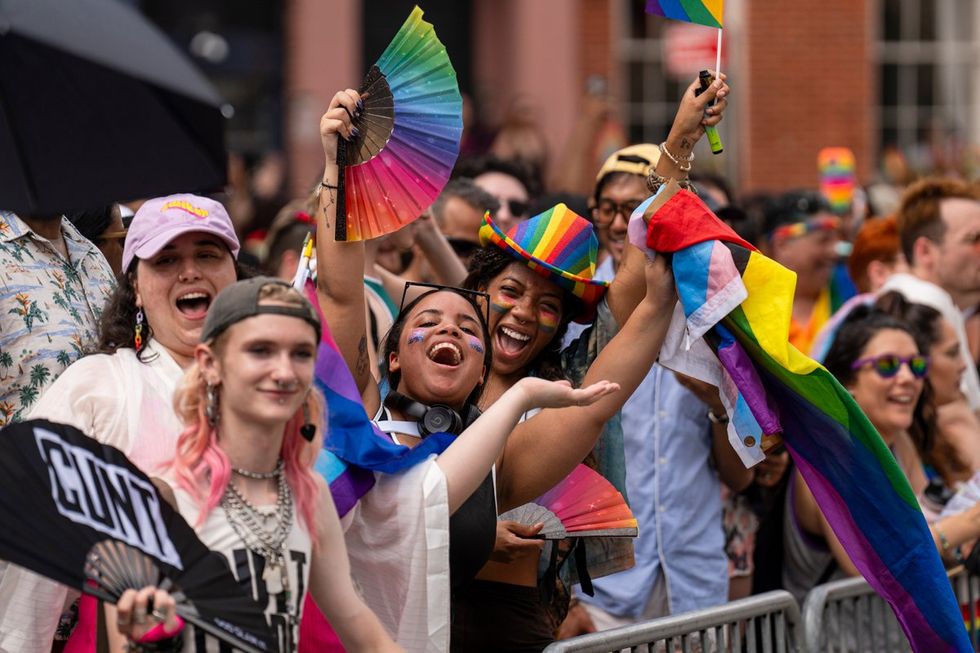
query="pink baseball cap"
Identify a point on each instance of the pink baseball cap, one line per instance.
(162, 219)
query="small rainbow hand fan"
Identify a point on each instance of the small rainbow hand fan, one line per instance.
(837, 177)
(584, 504)
(410, 128)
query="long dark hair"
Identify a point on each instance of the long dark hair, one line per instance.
(393, 337)
(926, 323)
(118, 322)
(486, 265)
(854, 334)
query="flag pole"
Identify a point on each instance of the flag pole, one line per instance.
(718, 55)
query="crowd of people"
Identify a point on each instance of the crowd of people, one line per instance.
(516, 306)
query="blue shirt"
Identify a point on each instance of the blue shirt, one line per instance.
(676, 497)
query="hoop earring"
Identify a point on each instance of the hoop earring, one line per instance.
(308, 429)
(211, 407)
(138, 331)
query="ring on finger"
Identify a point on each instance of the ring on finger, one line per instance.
(122, 623)
(159, 615)
(139, 615)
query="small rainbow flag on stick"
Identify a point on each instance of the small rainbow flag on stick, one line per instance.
(702, 12)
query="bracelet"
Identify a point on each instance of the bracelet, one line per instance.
(655, 181)
(717, 419)
(682, 164)
(324, 184)
(946, 548)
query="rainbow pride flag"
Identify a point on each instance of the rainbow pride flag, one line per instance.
(702, 12)
(853, 476)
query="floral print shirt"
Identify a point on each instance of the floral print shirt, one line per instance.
(49, 309)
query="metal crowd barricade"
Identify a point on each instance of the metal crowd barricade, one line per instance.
(767, 623)
(847, 616)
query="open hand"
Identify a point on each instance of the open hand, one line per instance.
(540, 393)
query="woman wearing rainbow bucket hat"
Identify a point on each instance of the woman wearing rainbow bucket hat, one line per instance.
(532, 281)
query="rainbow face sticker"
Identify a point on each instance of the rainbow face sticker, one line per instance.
(416, 336)
(475, 344)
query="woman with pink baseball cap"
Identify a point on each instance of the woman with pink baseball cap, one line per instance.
(180, 252)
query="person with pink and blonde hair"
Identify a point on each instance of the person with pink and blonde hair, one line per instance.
(243, 476)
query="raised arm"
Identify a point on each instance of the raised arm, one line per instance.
(693, 115)
(339, 285)
(468, 460)
(439, 254)
(544, 449)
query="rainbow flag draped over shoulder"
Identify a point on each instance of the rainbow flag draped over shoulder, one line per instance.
(702, 12)
(770, 387)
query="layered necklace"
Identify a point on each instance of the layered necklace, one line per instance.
(249, 523)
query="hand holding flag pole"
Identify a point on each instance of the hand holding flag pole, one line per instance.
(702, 12)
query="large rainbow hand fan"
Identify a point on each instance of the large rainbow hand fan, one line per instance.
(410, 128)
(584, 504)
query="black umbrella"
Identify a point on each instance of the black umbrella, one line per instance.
(96, 106)
(75, 510)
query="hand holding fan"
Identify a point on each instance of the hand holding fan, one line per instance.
(80, 513)
(408, 136)
(584, 504)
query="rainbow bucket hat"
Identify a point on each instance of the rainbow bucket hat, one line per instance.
(558, 244)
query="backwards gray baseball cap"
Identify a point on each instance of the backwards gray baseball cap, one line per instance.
(241, 300)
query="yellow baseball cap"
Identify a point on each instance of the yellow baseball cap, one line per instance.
(637, 159)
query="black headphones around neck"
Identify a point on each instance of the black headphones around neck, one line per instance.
(437, 418)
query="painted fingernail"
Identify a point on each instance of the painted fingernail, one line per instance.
(355, 132)
(360, 106)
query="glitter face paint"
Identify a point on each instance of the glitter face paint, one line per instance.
(417, 336)
(475, 344)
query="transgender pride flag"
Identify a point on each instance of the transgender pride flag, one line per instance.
(702, 12)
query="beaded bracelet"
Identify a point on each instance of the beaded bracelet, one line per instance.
(655, 181)
(682, 164)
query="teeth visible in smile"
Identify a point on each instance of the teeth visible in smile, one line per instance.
(902, 399)
(510, 333)
(457, 354)
(194, 295)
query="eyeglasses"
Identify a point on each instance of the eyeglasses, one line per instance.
(517, 208)
(607, 209)
(473, 295)
(888, 365)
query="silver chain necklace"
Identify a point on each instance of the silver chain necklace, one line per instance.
(247, 522)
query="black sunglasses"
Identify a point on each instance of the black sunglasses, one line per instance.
(517, 208)
(472, 295)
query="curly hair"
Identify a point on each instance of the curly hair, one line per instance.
(486, 265)
(118, 321)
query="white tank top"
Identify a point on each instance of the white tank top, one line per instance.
(247, 567)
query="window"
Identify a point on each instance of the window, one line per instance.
(928, 65)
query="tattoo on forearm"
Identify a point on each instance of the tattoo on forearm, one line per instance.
(362, 357)
(685, 144)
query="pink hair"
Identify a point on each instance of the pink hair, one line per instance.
(201, 463)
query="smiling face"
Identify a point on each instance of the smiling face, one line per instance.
(177, 285)
(621, 191)
(946, 365)
(888, 402)
(812, 256)
(264, 368)
(440, 356)
(525, 313)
